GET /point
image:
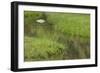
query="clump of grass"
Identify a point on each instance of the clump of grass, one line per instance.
(42, 49)
(71, 24)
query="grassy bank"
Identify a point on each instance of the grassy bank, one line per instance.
(62, 36)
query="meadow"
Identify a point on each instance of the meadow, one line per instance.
(56, 36)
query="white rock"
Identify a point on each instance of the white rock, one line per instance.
(40, 20)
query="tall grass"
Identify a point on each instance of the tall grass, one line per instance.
(62, 36)
(42, 49)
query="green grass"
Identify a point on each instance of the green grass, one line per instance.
(62, 36)
(42, 48)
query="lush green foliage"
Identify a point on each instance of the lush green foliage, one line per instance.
(62, 36)
(41, 48)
